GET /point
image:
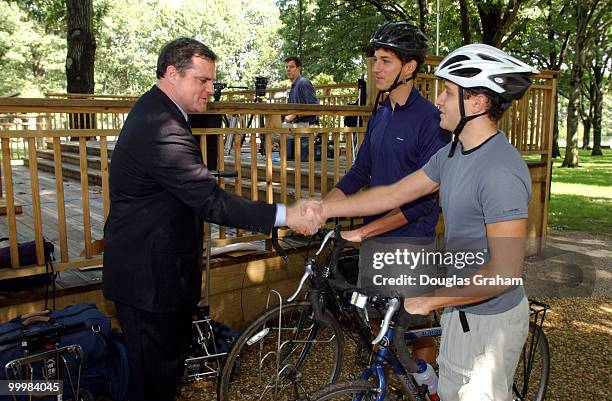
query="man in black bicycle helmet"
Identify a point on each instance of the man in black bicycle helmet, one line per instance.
(408, 43)
(402, 134)
(485, 188)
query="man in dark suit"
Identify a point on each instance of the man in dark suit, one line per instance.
(160, 191)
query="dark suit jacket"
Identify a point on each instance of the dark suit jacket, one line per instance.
(160, 190)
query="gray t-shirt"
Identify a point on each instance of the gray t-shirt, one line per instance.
(487, 184)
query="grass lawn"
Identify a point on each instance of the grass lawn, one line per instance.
(581, 198)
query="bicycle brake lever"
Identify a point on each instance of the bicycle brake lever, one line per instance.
(394, 306)
(308, 272)
(327, 237)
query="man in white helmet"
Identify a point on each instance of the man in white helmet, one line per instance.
(485, 190)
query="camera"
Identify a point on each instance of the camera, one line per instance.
(261, 83)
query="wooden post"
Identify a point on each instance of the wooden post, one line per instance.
(549, 140)
(371, 90)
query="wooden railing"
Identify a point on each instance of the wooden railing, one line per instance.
(29, 124)
(278, 179)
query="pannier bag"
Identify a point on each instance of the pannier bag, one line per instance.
(104, 365)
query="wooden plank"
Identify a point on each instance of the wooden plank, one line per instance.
(85, 197)
(221, 167)
(38, 236)
(349, 150)
(324, 144)
(81, 133)
(238, 162)
(10, 201)
(76, 263)
(336, 156)
(253, 143)
(550, 128)
(226, 278)
(104, 172)
(297, 154)
(311, 165)
(283, 167)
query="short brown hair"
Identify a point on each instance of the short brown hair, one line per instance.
(497, 106)
(179, 53)
(296, 59)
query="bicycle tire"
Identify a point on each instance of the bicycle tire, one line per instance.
(537, 374)
(299, 374)
(345, 390)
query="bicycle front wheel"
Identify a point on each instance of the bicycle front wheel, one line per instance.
(346, 391)
(281, 355)
(531, 376)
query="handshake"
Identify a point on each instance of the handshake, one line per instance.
(306, 217)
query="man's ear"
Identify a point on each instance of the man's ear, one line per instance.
(409, 68)
(480, 103)
(171, 73)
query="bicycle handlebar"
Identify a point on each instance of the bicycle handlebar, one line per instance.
(403, 321)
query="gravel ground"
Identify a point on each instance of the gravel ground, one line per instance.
(577, 268)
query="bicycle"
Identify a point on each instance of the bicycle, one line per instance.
(328, 294)
(281, 341)
(529, 384)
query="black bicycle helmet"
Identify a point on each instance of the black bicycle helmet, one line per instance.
(405, 39)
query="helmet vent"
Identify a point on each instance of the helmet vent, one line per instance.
(513, 62)
(488, 58)
(466, 72)
(454, 60)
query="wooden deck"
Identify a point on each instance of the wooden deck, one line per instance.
(74, 210)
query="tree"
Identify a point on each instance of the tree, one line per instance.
(81, 53)
(588, 13)
(495, 20)
(600, 62)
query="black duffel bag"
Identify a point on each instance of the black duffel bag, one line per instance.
(104, 365)
(27, 253)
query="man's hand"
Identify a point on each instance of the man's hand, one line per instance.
(305, 217)
(417, 306)
(352, 235)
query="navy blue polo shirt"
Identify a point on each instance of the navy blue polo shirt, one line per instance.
(397, 143)
(303, 92)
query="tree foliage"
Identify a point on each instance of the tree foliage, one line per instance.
(243, 35)
(129, 35)
(31, 58)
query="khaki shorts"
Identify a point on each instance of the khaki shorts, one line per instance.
(479, 365)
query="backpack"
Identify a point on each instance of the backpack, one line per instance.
(104, 358)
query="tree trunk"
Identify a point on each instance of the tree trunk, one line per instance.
(423, 13)
(490, 18)
(571, 149)
(300, 27)
(586, 133)
(597, 110)
(80, 56)
(465, 22)
(555, 146)
(81, 47)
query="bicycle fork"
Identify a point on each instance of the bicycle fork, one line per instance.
(387, 359)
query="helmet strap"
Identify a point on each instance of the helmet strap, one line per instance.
(394, 85)
(397, 82)
(464, 120)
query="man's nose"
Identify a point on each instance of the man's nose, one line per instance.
(210, 88)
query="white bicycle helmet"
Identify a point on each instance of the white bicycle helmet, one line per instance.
(480, 66)
(483, 66)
